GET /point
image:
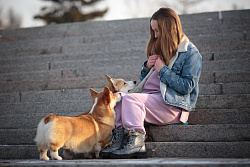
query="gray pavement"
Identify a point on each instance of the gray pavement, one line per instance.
(150, 162)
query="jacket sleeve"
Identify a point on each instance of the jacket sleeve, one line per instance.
(144, 71)
(184, 81)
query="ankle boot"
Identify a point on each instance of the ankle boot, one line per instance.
(116, 141)
(133, 146)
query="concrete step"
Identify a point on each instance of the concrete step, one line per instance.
(199, 149)
(41, 109)
(150, 162)
(10, 122)
(91, 64)
(202, 22)
(210, 82)
(224, 77)
(223, 101)
(26, 60)
(78, 106)
(15, 116)
(221, 46)
(36, 58)
(204, 45)
(47, 96)
(206, 77)
(219, 116)
(208, 32)
(112, 46)
(225, 55)
(57, 84)
(80, 29)
(199, 133)
(19, 115)
(226, 65)
(225, 116)
(78, 94)
(236, 34)
(154, 149)
(120, 26)
(38, 43)
(186, 133)
(42, 75)
(212, 18)
(224, 88)
(74, 64)
(30, 50)
(221, 30)
(227, 35)
(205, 88)
(212, 71)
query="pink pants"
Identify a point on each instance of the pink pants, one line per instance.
(135, 109)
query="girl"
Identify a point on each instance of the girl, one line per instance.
(168, 88)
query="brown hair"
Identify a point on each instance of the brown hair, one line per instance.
(170, 33)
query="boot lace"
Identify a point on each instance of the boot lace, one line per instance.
(113, 139)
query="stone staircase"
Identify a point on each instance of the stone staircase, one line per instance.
(49, 70)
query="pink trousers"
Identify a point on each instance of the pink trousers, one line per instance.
(135, 109)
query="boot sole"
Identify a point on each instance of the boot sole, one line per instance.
(105, 155)
(139, 155)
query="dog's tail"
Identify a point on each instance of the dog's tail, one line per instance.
(49, 118)
(43, 129)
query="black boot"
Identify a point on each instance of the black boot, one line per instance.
(117, 138)
(133, 146)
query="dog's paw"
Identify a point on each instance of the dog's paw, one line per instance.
(57, 158)
(54, 155)
(45, 158)
(88, 155)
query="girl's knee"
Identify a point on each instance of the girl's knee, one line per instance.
(129, 97)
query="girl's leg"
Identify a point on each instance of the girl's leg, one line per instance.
(133, 111)
(137, 108)
(118, 113)
(118, 119)
(131, 115)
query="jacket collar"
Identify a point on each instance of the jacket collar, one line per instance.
(182, 47)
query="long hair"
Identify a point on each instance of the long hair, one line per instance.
(169, 37)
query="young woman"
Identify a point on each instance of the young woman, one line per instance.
(168, 88)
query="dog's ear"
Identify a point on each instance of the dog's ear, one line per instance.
(106, 95)
(111, 84)
(93, 92)
(108, 77)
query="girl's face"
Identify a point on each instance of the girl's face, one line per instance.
(154, 26)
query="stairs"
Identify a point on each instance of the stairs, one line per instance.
(49, 70)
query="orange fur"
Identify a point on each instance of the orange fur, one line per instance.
(116, 85)
(81, 134)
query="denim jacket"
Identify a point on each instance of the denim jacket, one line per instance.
(179, 83)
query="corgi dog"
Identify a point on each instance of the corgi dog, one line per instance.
(120, 85)
(117, 85)
(86, 134)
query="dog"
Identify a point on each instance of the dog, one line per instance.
(117, 85)
(120, 85)
(86, 134)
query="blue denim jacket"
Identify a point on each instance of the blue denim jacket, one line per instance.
(182, 79)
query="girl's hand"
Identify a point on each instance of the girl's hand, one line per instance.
(159, 63)
(151, 60)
